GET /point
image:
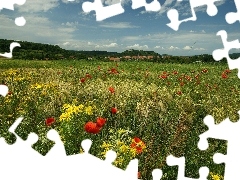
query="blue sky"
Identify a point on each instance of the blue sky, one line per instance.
(66, 24)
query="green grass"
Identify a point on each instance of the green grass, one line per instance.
(166, 113)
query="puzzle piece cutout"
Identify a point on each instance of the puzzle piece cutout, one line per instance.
(9, 4)
(101, 11)
(229, 131)
(173, 14)
(116, 9)
(180, 162)
(57, 164)
(153, 6)
(12, 46)
(232, 17)
(224, 53)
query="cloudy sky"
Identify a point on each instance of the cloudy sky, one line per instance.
(66, 24)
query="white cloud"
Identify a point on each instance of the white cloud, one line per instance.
(38, 6)
(187, 48)
(173, 48)
(110, 2)
(199, 49)
(137, 46)
(111, 45)
(119, 25)
(158, 47)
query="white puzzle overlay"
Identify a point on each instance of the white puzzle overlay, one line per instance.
(21, 161)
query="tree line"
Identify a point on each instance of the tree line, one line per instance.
(39, 51)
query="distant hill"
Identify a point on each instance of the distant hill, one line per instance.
(31, 50)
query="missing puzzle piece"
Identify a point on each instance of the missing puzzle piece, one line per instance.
(224, 53)
(101, 11)
(229, 131)
(180, 162)
(9, 4)
(232, 17)
(173, 14)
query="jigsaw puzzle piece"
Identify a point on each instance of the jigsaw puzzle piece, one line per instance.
(224, 53)
(229, 131)
(180, 162)
(232, 17)
(153, 6)
(101, 11)
(43, 145)
(9, 4)
(173, 14)
(12, 46)
(103, 169)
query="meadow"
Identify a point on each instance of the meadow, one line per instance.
(141, 110)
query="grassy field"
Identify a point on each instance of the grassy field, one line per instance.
(139, 109)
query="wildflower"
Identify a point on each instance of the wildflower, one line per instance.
(114, 110)
(163, 76)
(49, 121)
(139, 174)
(175, 72)
(114, 71)
(227, 71)
(91, 127)
(204, 71)
(181, 83)
(179, 93)
(138, 145)
(111, 89)
(188, 78)
(224, 76)
(88, 76)
(101, 121)
(89, 110)
(82, 80)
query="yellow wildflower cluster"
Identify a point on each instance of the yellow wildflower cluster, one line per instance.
(216, 176)
(119, 142)
(70, 110)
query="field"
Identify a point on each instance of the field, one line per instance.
(139, 109)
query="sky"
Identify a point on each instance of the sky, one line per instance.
(64, 23)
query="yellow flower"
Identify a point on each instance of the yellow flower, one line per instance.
(124, 149)
(216, 176)
(89, 110)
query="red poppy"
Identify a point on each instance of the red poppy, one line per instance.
(137, 144)
(224, 76)
(163, 76)
(179, 93)
(91, 127)
(114, 71)
(204, 71)
(101, 121)
(227, 71)
(114, 110)
(139, 174)
(175, 72)
(88, 76)
(82, 80)
(49, 121)
(188, 78)
(111, 89)
(181, 83)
